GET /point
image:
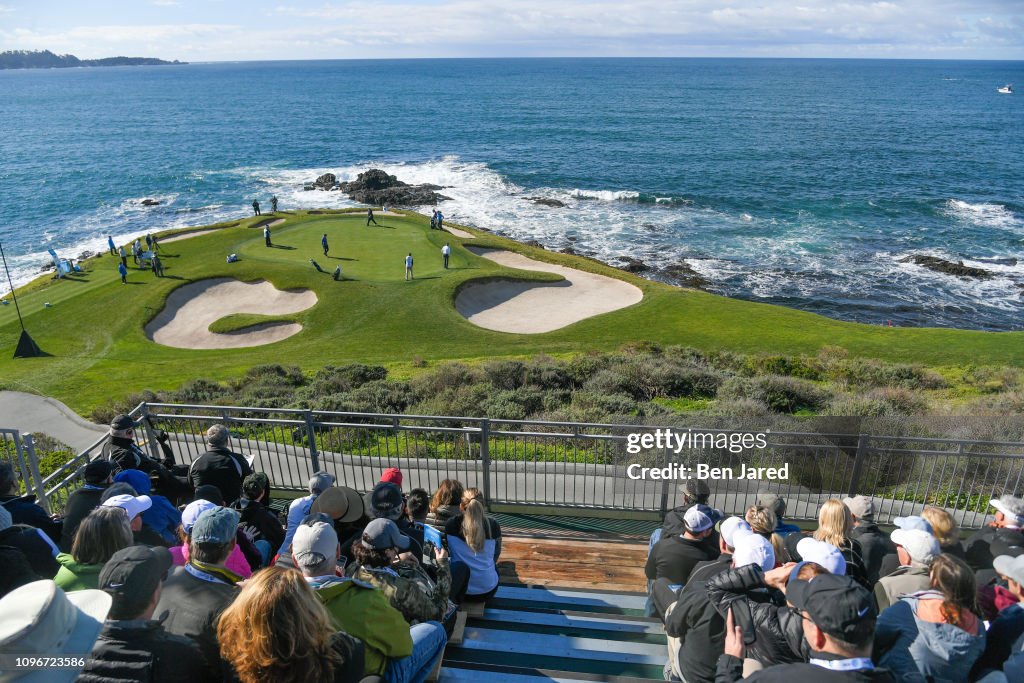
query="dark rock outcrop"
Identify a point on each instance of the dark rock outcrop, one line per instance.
(685, 275)
(534, 243)
(544, 201)
(569, 250)
(326, 181)
(632, 265)
(150, 202)
(377, 187)
(940, 265)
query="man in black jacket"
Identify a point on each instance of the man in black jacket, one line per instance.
(219, 466)
(675, 556)
(259, 524)
(98, 476)
(24, 509)
(133, 646)
(696, 630)
(1004, 531)
(875, 544)
(839, 625)
(196, 594)
(122, 451)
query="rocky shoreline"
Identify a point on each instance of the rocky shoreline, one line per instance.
(378, 188)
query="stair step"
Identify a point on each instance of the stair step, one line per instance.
(543, 598)
(468, 673)
(588, 620)
(513, 642)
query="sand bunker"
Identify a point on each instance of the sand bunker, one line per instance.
(460, 233)
(185, 321)
(534, 307)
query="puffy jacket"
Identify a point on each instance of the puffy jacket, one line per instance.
(779, 629)
(221, 468)
(875, 545)
(409, 589)
(161, 517)
(908, 645)
(37, 551)
(979, 551)
(701, 631)
(76, 576)
(143, 651)
(258, 523)
(79, 505)
(362, 611)
(1003, 632)
(193, 597)
(674, 557)
(24, 510)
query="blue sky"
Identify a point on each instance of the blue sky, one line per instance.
(218, 30)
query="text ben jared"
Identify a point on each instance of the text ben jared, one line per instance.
(735, 442)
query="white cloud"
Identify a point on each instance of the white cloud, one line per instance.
(6, 9)
(165, 3)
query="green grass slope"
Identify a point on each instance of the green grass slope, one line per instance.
(98, 350)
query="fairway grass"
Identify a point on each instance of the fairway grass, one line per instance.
(93, 331)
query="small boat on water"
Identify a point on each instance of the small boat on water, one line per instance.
(1006, 89)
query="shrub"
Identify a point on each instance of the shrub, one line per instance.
(505, 374)
(780, 365)
(686, 356)
(544, 373)
(104, 414)
(443, 377)
(780, 394)
(738, 407)
(274, 374)
(581, 368)
(200, 391)
(380, 396)
(872, 373)
(518, 404)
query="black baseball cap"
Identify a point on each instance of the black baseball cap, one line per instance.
(385, 501)
(837, 605)
(211, 493)
(133, 573)
(123, 421)
(98, 470)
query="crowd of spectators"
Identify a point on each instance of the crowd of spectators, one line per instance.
(218, 587)
(755, 598)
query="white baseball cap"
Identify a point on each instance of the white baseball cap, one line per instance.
(732, 529)
(753, 549)
(132, 505)
(1011, 506)
(823, 553)
(697, 520)
(920, 545)
(192, 511)
(1010, 567)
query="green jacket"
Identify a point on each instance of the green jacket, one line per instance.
(409, 588)
(75, 576)
(363, 612)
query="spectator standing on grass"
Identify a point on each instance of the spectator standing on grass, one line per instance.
(446, 251)
(916, 550)
(838, 618)
(475, 539)
(259, 524)
(122, 270)
(23, 508)
(440, 220)
(446, 501)
(408, 267)
(266, 235)
(675, 556)
(300, 507)
(101, 534)
(158, 266)
(273, 203)
(277, 632)
(111, 246)
(219, 466)
(196, 594)
(369, 217)
(133, 646)
(937, 633)
(84, 500)
(256, 207)
(875, 544)
(124, 256)
(323, 243)
(393, 649)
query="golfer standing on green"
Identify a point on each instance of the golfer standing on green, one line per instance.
(408, 267)
(323, 243)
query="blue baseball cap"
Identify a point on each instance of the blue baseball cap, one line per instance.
(215, 526)
(912, 523)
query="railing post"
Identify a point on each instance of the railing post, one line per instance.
(485, 459)
(665, 462)
(33, 467)
(151, 442)
(858, 464)
(314, 455)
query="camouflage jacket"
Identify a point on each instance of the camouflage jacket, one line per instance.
(409, 588)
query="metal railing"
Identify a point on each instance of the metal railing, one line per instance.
(585, 465)
(19, 450)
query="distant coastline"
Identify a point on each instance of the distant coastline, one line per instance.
(44, 59)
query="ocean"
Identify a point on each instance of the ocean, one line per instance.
(794, 182)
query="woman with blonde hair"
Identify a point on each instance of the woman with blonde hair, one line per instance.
(834, 526)
(102, 533)
(276, 631)
(762, 521)
(938, 633)
(445, 503)
(945, 530)
(475, 538)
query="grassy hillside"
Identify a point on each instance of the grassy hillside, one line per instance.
(93, 330)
